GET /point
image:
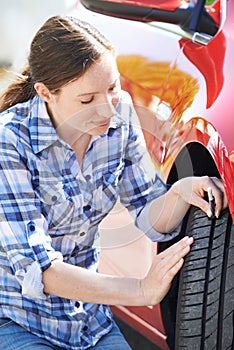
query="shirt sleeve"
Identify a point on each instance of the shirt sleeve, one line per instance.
(140, 183)
(142, 221)
(23, 229)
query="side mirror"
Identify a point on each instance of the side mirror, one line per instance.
(188, 17)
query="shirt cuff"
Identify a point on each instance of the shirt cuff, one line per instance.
(31, 281)
(144, 225)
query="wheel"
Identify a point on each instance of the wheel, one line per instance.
(205, 303)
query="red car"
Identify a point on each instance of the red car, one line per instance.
(176, 59)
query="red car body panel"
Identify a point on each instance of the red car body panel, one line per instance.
(183, 92)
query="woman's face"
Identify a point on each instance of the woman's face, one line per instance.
(87, 104)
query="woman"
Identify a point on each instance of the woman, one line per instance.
(69, 148)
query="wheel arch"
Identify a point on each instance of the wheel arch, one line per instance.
(194, 159)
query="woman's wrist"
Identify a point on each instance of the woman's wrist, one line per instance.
(176, 193)
(175, 188)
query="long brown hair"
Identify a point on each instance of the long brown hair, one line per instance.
(61, 51)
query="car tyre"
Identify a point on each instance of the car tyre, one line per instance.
(205, 303)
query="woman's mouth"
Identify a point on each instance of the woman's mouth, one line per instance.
(102, 123)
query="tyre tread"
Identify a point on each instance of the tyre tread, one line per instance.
(205, 305)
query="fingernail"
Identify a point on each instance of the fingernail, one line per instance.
(217, 214)
(209, 213)
(187, 239)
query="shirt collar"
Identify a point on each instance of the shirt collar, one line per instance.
(42, 131)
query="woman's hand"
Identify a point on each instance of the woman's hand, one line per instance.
(167, 211)
(194, 189)
(163, 269)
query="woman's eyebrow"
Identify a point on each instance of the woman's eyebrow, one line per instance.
(96, 92)
(88, 93)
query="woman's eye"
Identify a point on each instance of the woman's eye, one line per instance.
(87, 101)
(113, 89)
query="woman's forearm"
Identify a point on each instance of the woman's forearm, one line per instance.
(77, 283)
(167, 211)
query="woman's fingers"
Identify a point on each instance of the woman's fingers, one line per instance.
(177, 250)
(164, 268)
(219, 194)
(172, 258)
(194, 190)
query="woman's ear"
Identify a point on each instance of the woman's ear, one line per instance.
(42, 91)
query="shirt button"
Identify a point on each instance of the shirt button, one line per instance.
(85, 328)
(32, 227)
(77, 304)
(54, 198)
(82, 233)
(87, 207)
(87, 177)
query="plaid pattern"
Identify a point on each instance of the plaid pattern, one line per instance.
(50, 207)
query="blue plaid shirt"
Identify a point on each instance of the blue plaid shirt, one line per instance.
(50, 208)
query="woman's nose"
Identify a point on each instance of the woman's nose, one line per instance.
(106, 109)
